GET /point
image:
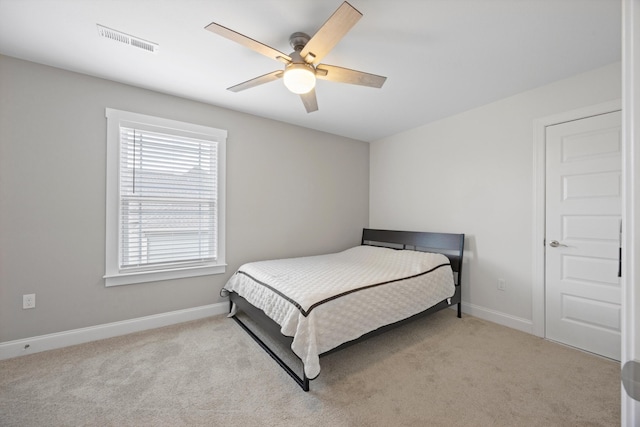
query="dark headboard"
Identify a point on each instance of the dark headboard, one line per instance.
(449, 244)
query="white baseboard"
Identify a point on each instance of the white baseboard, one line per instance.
(40, 343)
(524, 325)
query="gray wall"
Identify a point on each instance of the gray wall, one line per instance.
(291, 191)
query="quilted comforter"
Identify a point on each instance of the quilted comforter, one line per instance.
(327, 300)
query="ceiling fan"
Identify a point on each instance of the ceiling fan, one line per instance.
(302, 67)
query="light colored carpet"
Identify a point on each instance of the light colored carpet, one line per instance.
(438, 371)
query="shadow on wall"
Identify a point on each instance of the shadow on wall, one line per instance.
(469, 264)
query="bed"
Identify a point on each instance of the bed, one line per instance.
(314, 306)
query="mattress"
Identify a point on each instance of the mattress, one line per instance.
(324, 301)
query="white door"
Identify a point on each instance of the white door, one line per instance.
(583, 213)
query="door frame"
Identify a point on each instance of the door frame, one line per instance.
(539, 206)
(631, 202)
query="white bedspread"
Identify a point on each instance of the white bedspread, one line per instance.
(324, 301)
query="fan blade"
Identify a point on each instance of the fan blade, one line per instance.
(248, 42)
(274, 75)
(345, 75)
(339, 24)
(309, 100)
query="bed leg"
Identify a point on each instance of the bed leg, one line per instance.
(459, 310)
(305, 382)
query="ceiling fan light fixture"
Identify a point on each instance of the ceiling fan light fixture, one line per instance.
(299, 78)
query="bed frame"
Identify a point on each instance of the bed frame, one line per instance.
(451, 245)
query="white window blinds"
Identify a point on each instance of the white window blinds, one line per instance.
(168, 200)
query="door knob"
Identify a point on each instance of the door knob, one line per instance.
(555, 244)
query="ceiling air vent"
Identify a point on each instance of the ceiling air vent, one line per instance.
(121, 37)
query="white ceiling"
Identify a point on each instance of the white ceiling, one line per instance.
(440, 57)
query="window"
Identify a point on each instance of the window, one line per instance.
(165, 199)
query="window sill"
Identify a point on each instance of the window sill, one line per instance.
(119, 279)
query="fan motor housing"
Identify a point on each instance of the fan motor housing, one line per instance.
(298, 40)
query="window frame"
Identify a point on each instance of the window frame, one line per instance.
(114, 276)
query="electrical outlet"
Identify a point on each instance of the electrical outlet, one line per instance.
(28, 301)
(502, 285)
